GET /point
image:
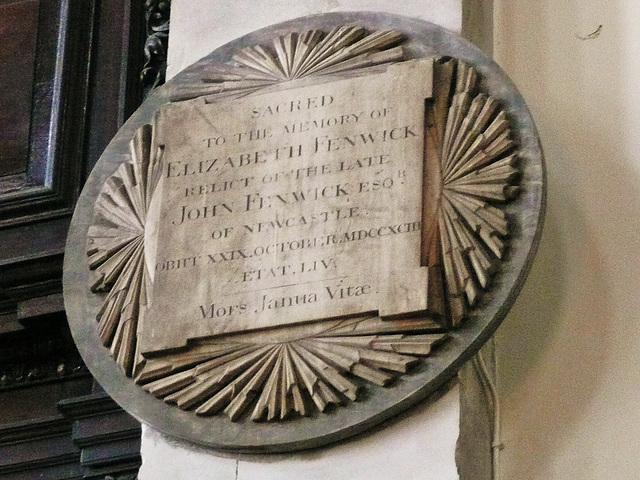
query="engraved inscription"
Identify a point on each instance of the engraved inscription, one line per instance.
(288, 207)
(301, 235)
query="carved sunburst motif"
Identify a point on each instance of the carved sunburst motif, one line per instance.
(297, 55)
(280, 378)
(116, 246)
(469, 175)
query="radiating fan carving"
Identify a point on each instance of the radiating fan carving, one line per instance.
(279, 378)
(116, 246)
(470, 173)
(344, 49)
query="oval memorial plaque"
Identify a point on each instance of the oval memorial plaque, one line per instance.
(336, 209)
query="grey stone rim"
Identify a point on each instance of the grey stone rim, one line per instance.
(424, 39)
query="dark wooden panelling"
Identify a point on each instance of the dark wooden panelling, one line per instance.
(88, 58)
(51, 181)
(114, 86)
(36, 205)
(39, 400)
(75, 79)
(109, 439)
(18, 34)
(41, 353)
(38, 449)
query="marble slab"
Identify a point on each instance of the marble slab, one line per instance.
(290, 206)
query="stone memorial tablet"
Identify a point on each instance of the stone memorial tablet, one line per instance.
(322, 212)
(269, 207)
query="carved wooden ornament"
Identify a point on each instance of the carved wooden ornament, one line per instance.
(319, 219)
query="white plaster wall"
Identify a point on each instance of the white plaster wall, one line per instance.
(419, 446)
(569, 362)
(199, 27)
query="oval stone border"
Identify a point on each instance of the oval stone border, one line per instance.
(423, 39)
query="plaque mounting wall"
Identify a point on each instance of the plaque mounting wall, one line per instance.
(336, 209)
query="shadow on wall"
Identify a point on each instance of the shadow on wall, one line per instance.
(556, 347)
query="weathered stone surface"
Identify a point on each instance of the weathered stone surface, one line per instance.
(270, 207)
(479, 203)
